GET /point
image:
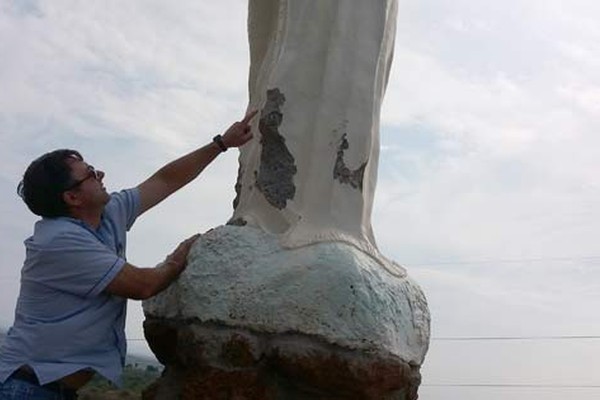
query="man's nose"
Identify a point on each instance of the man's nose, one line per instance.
(101, 175)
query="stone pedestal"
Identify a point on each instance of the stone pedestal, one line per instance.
(249, 319)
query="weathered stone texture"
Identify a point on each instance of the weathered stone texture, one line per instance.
(249, 319)
(209, 361)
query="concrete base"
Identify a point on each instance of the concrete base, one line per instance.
(249, 319)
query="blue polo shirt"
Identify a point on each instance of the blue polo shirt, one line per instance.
(64, 321)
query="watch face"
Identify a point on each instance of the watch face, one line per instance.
(219, 141)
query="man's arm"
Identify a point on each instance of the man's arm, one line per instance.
(142, 283)
(180, 172)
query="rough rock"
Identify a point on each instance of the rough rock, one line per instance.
(249, 319)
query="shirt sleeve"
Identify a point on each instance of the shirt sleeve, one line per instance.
(124, 207)
(78, 263)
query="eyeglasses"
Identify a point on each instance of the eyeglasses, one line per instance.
(92, 173)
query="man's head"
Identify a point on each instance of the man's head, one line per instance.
(60, 181)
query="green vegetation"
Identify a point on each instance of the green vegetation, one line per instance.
(135, 379)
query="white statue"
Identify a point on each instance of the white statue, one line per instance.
(296, 278)
(318, 74)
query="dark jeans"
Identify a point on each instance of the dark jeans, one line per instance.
(16, 389)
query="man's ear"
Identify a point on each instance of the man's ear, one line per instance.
(70, 198)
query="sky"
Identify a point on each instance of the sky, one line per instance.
(488, 176)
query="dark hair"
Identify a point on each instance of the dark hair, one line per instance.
(44, 182)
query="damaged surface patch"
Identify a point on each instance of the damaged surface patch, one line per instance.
(277, 165)
(344, 174)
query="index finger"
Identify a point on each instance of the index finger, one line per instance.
(249, 116)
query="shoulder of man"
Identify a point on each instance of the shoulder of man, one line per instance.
(52, 232)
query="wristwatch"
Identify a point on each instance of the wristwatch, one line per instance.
(219, 141)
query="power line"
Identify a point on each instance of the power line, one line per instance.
(503, 261)
(531, 338)
(510, 385)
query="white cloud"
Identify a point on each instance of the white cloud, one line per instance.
(138, 68)
(513, 154)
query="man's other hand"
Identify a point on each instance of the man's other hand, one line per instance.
(179, 255)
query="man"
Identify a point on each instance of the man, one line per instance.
(70, 314)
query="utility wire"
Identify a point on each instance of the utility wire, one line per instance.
(483, 338)
(503, 261)
(510, 385)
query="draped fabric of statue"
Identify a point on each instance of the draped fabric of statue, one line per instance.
(318, 74)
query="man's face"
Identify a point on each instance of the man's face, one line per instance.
(88, 184)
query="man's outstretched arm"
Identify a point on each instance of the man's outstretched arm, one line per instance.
(180, 172)
(142, 283)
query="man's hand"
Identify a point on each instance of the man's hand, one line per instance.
(179, 256)
(142, 283)
(239, 133)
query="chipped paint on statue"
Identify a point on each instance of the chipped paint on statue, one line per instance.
(342, 173)
(277, 168)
